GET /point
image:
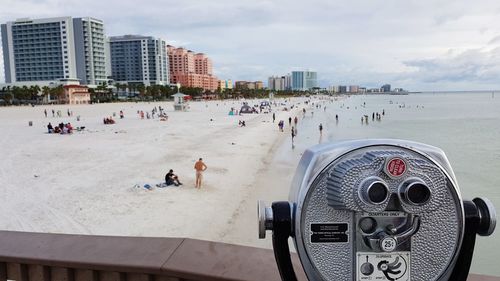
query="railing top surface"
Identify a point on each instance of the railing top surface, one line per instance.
(175, 257)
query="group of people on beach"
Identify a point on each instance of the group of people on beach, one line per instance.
(155, 112)
(60, 129)
(59, 113)
(173, 179)
(108, 120)
(375, 116)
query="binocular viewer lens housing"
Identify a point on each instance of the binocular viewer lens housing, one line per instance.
(377, 210)
(415, 192)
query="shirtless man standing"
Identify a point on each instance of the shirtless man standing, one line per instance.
(199, 166)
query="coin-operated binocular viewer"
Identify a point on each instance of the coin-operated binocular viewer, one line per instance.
(376, 210)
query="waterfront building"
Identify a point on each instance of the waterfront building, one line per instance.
(385, 88)
(202, 64)
(288, 82)
(304, 80)
(90, 44)
(191, 70)
(38, 51)
(256, 85)
(225, 84)
(240, 85)
(342, 89)
(229, 84)
(221, 85)
(276, 83)
(139, 59)
(75, 94)
(44, 51)
(353, 89)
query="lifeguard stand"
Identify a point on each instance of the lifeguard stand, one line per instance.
(179, 103)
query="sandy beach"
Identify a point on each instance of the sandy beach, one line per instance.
(92, 182)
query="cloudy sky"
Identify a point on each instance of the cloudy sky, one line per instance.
(414, 44)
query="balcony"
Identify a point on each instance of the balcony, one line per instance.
(42, 256)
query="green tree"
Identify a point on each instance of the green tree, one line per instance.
(34, 91)
(141, 89)
(45, 93)
(57, 92)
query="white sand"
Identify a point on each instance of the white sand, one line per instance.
(84, 182)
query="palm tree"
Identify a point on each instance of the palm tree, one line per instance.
(45, 94)
(57, 92)
(34, 90)
(142, 89)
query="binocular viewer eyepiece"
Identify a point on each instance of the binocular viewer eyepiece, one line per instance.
(376, 210)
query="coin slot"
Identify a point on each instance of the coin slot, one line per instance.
(368, 225)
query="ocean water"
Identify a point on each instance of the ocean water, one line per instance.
(465, 125)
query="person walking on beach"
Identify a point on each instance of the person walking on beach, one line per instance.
(320, 129)
(274, 117)
(293, 134)
(295, 120)
(53, 113)
(289, 121)
(200, 167)
(45, 111)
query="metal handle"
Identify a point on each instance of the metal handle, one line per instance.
(265, 215)
(487, 216)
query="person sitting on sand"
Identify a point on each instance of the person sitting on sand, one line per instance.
(171, 178)
(50, 128)
(108, 121)
(70, 128)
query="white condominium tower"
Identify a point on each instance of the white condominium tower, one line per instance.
(90, 50)
(41, 51)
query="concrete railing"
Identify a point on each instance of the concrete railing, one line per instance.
(40, 256)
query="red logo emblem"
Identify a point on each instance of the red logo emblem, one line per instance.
(396, 167)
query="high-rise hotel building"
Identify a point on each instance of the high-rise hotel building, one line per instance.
(41, 51)
(90, 51)
(139, 59)
(304, 80)
(191, 70)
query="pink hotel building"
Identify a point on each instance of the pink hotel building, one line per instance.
(190, 69)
